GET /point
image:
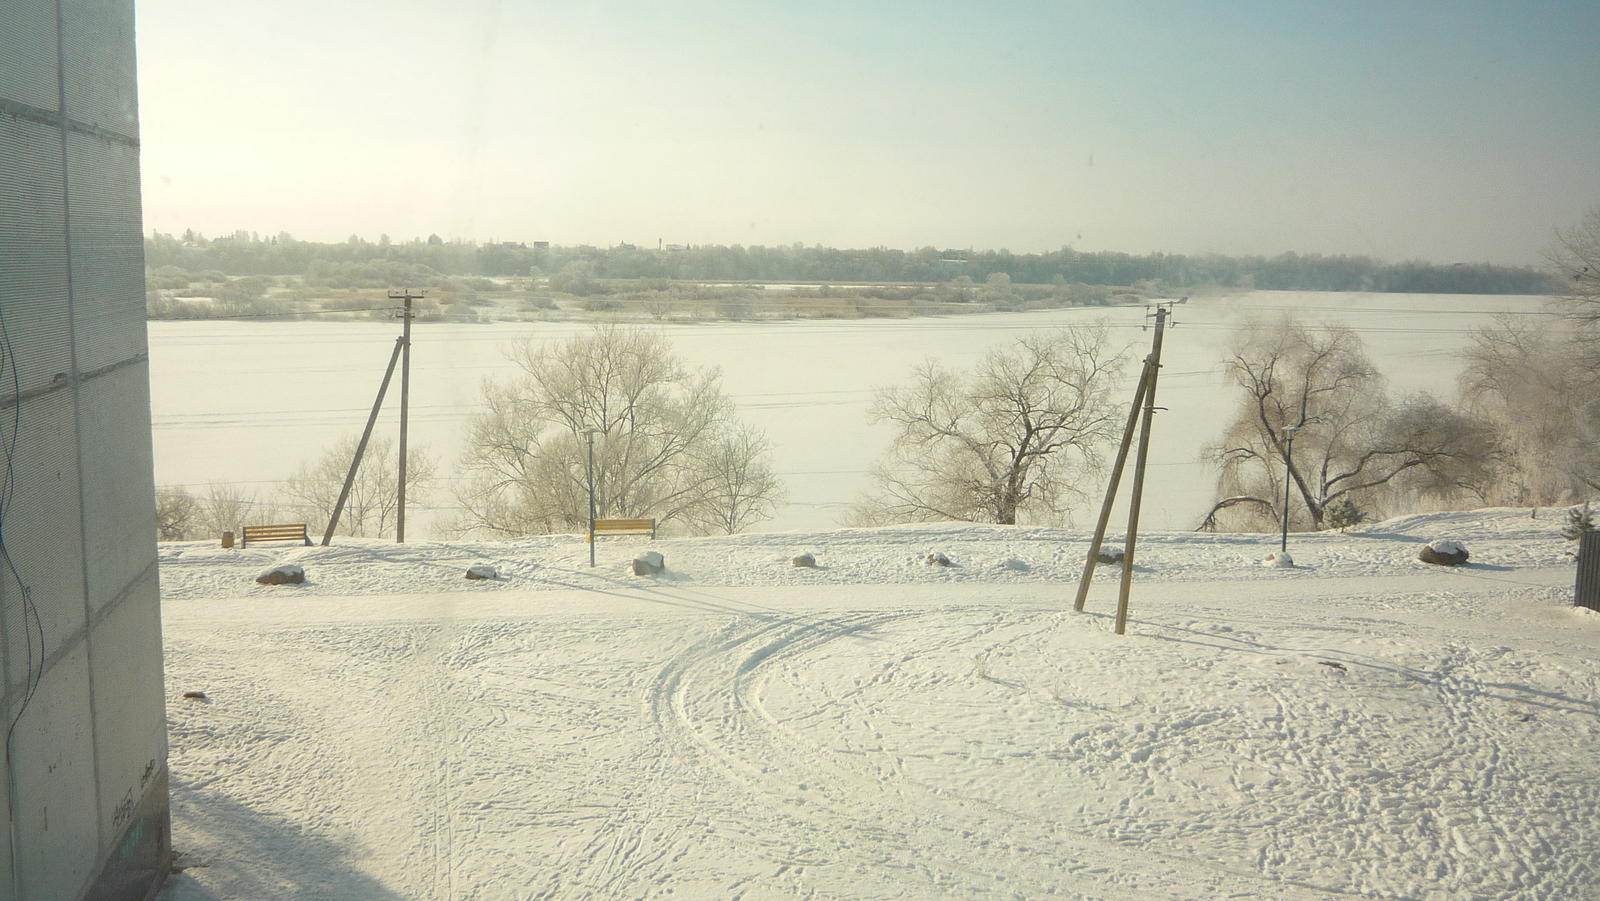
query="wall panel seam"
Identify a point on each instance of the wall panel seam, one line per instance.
(65, 381)
(16, 109)
(66, 645)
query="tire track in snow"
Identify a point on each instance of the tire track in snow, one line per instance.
(709, 700)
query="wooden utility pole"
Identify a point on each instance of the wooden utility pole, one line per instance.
(361, 448)
(1111, 489)
(1152, 372)
(1144, 402)
(405, 405)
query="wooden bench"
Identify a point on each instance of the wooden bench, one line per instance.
(623, 527)
(293, 532)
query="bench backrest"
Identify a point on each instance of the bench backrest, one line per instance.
(290, 532)
(625, 527)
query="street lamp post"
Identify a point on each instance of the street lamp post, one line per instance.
(1288, 455)
(589, 434)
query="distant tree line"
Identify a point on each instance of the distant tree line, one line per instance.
(246, 253)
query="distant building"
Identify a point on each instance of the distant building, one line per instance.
(541, 245)
(949, 268)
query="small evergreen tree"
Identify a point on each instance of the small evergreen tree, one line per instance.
(1579, 520)
(1343, 514)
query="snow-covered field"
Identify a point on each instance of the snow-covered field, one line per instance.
(740, 728)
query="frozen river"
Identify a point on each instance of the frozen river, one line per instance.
(246, 402)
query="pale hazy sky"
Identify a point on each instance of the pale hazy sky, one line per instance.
(1450, 131)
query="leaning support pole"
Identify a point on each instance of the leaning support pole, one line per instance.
(361, 448)
(1111, 489)
(1138, 475)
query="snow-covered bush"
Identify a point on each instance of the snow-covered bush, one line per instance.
(1344, 514)
(1579, 520)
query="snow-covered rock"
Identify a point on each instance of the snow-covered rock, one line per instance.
(482, 571)
(805, 560)
(1279, 560)
(283, 574)
(1444, 552)
(938, 559)
(649, 563)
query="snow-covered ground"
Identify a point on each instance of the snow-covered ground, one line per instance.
(740, 728)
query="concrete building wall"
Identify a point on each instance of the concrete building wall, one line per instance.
(84, 798)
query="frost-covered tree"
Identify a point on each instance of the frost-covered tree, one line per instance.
(223, 507)
(1575, 261)
(741, 489)
(373, 505)
(1539, 389)
(668, 444)
(1537, 380)
(1352, 439)
(1008, 442)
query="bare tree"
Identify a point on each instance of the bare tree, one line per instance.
(226, 507)
(1005, 443)
(667, 443)
(176, 510)
(1351, 439)
(374, 501)
(1575, 260)
(742, 488)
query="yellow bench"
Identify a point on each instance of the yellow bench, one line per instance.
(294, 532)
(622, 527)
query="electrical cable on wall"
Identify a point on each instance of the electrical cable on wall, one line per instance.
(9, 378)
(8, 446)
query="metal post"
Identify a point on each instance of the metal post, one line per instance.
(405, 408)
(589, 433)
(361, 447)
(1288, 455)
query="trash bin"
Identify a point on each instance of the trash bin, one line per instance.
(227, 539)
(1588, 591)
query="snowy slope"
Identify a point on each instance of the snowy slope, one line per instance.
(1362, 724)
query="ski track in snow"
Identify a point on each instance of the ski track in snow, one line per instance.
(1362, 726)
